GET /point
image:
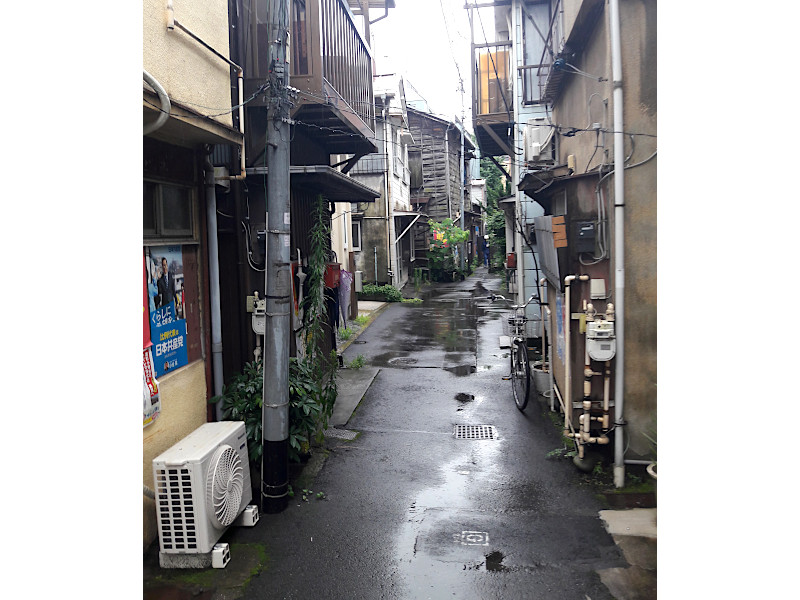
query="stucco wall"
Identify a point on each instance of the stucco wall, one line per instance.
(190, 74)
(183, 400)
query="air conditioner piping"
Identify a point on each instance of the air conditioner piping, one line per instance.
(172, 23)
(165, 103)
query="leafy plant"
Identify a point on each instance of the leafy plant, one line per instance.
(358, 362)
(312, 378)
(241, 401)
(361, 320)
(389, 293)
(345, 333)
(442, 255)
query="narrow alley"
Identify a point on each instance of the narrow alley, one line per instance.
(406, 509)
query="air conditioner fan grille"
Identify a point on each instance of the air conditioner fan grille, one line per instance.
(225, 485)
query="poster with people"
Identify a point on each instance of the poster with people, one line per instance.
(152, 397)
(167, 307)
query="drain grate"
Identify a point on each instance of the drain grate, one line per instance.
(341, 434)
(474, 432)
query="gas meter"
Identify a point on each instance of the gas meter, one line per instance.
(600, 341)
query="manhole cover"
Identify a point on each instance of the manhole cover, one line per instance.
(474, 432)
(402, 360)
(341, 434)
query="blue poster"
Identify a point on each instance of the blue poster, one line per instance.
(167, 309)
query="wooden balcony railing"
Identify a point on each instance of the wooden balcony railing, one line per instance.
(331, 65)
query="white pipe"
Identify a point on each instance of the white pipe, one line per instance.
(619, 240)
(550, 365)
(567, 348)
(390, 232)
(165, 103)
(213, 284)
(171, 24)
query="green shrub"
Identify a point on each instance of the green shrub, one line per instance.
(388, 293)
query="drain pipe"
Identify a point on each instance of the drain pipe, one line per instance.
(567, 351)
(619, 241)
(547, 348)
(165, 103)
(213, 280)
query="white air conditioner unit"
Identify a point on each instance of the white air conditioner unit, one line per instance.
(536, 136)
(202, 485)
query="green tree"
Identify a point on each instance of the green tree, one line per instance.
(495, 217)
(442, 256)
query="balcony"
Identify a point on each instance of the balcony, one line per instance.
(331, 65)
(493, 98)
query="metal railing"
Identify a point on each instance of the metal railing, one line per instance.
(346, 58)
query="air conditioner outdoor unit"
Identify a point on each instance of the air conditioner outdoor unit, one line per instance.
(202, 486)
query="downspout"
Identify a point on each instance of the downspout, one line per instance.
(387, 131)
(619, 242)
(213, 276)
(568, 357)
(165, 104)
(549, 339)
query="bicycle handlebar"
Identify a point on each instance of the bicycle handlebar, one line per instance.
(494, 297)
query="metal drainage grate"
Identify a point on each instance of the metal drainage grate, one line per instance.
(474, 432)
(341, 434)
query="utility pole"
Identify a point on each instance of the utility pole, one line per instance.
(275, 411)
(461, 184)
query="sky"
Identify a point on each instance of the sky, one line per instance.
(428, 43)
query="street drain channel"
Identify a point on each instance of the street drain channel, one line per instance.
(341, 434)
(474, 432)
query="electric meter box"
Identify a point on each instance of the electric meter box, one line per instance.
(601, 344)
(259, 318)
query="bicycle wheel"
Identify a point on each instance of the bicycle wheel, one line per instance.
(520, 374)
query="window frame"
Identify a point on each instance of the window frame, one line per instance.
(356, 247)
(160, 235)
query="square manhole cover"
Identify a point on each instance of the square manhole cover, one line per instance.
(474, 432)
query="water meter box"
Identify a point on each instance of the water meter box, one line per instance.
(601, 343)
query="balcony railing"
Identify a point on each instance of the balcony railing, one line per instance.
(330, 64)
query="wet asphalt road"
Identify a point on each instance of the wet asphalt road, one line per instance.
(411, 512)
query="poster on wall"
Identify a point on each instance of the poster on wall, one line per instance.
(152, 398)
(167, 308)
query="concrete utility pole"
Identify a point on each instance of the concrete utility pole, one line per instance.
(275, 411)
(461, 183)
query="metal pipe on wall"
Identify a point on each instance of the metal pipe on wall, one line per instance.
(619, 240)
(213, 277)
(165, 103)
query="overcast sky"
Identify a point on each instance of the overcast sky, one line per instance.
(413, 41)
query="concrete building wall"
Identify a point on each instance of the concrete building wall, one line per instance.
(191, 75)
(581, 99)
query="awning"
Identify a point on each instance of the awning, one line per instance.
(321, 179)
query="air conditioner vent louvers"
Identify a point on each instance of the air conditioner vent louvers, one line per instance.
(174, 495)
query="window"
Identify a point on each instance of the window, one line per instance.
(356, 236)
(168, 211)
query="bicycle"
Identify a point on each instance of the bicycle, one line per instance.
(516, 327)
